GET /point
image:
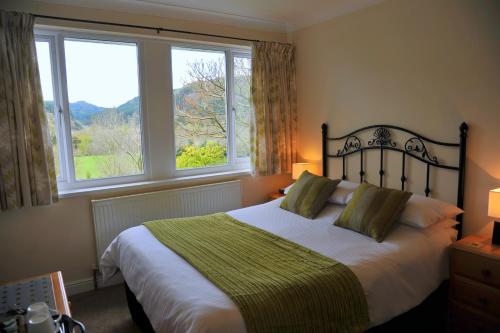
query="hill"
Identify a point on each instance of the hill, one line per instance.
(129, 107)
(82, 112)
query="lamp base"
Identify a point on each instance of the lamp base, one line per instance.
(495, 240)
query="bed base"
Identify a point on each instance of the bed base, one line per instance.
(137, 312)
(429, 316)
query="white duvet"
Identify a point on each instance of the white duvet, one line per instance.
(396, 274)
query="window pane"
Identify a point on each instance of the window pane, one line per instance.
(241, 103)
(199, 83)
(45, 69)
(104, 104)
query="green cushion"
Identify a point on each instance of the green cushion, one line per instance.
(373, 210)
(309, 194)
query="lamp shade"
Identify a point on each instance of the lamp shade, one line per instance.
(298, 168)
(494, 203)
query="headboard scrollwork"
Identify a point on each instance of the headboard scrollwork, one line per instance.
(414, 147)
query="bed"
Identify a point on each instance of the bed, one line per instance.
(167, 294)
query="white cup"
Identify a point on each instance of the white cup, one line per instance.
(39, 308)
(42, 323)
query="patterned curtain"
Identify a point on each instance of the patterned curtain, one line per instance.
(27, 173)
(274, 125)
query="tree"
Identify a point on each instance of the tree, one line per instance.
(49, 112)
(207, 155)
(200, 108)
(241, 102)
(119, 140)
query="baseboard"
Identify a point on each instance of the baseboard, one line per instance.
(87, 284)
(79, 286)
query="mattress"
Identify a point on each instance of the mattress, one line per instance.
(408, 266)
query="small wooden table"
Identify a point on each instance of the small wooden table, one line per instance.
(61, 300)
(276, 195)
(62, 304)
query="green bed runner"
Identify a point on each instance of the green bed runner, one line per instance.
(278, 285)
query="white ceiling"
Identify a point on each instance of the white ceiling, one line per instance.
(274, 15)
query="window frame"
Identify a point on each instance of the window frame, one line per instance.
(238, 53)
(153, 172)
(69, 181)
(56, 93)
(233, 163)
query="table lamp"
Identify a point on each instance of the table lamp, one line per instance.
(494, 212)
(298, 168)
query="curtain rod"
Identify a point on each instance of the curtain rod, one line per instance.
(157, 29)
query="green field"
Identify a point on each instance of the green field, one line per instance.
(88, 167)
(98, 166)
(104, 166)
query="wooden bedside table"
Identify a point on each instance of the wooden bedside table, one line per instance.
(474, 286)
(275, 196)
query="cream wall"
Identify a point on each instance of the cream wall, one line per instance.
(42, 8)
(61, 237)
(427, 65)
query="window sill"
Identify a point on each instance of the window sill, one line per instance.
(150, 183)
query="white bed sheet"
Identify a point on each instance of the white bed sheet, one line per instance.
(396, 275)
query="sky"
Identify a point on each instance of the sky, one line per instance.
(42, 53)
(106, 74)
(181, 58)
(102, 74)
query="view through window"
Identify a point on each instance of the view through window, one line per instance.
(104, 105)
(45, 69)
(242, 68)
(199, 81)
(92, 99)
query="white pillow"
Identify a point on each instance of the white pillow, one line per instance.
(421, 211)
(343, 193)
(446, 226)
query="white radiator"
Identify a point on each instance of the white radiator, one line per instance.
(113, 215)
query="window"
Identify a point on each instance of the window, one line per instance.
(199, 83)
(92, 102)
(206, 83)
(44, 54)
(242, 69)
(101, 131)
(104, 108)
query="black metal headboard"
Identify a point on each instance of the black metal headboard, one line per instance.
(414, 147)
